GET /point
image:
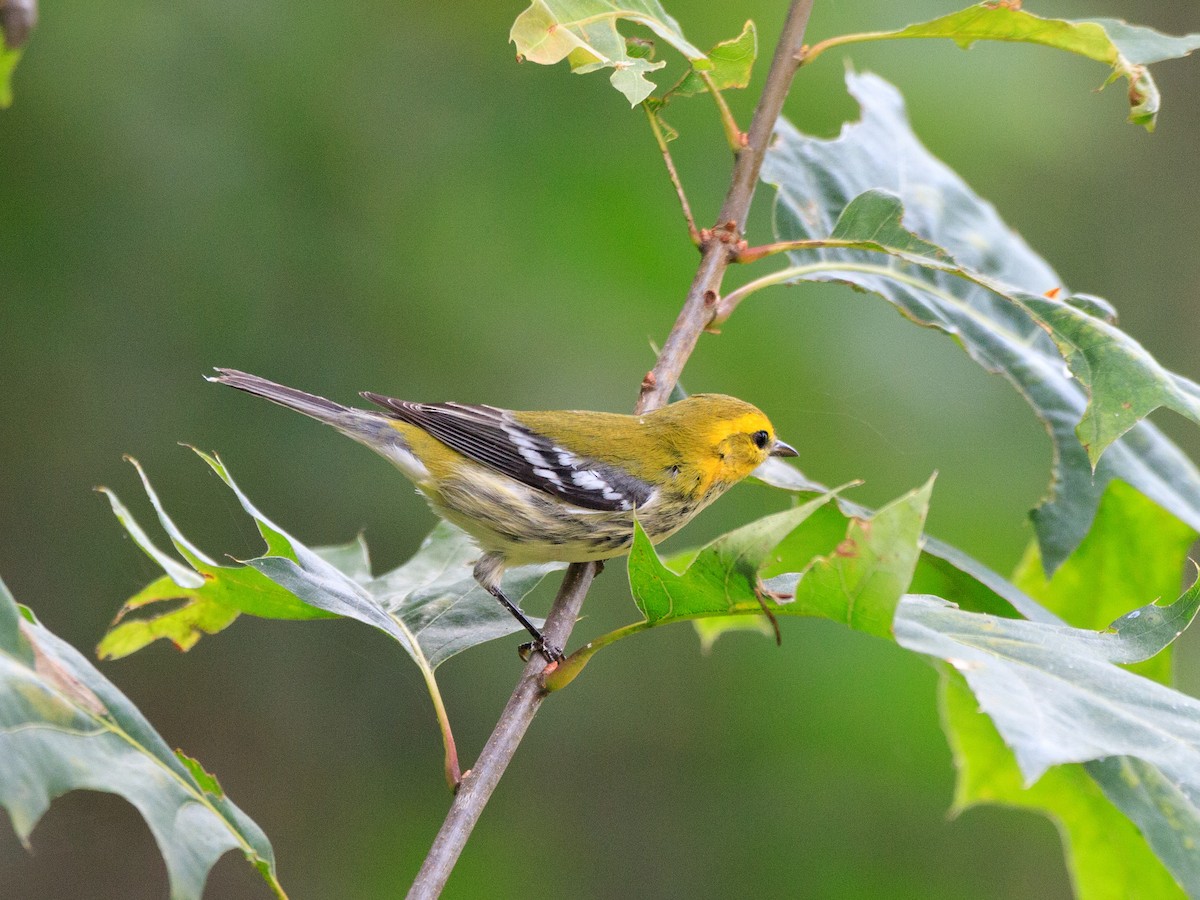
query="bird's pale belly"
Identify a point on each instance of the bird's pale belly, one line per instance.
(526, 525)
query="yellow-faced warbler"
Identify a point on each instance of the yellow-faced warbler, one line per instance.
(561, 486)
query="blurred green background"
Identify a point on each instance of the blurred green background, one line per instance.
(377, 196)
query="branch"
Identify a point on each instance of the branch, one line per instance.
(718, 250)
(478, 783)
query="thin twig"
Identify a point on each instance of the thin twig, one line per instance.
(673, 173)
(477, 785)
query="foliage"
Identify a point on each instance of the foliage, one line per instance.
(584, 32)
(1055, 685)
(955, 266)
(731, 63)
(1127, 49)
(65, 727)
(430, 605)
(1134, 552)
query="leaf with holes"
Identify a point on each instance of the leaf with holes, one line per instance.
(584, 32)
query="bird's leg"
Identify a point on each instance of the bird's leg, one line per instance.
(487, 573)
(539, 644)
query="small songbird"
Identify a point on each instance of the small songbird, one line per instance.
(561, 486)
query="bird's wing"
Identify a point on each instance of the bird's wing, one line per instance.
(495, 438)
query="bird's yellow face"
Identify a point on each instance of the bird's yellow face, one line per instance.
(737, 438)
(742, 445)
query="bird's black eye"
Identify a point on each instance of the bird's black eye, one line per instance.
(760, 439)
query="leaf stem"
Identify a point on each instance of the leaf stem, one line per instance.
(717, 252)
(565, 674)
(450, 764)
(808, 54)
(754, 254)
(724, 309)
(672, 172)
(733, 134)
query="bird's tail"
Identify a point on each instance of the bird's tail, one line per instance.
(367, 427)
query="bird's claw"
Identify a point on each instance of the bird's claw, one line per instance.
(552, 653)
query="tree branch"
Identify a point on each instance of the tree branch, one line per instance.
(719, 247)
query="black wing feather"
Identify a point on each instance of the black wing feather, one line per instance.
(496, 439)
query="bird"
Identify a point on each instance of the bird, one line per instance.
(550, 486)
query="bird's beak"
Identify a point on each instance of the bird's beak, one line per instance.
(782, 449)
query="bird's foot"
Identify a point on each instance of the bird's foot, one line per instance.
(552, 653)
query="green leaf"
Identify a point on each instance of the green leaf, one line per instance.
(1055, 697)
(860, 582)
(946, 571)
(1134, 552)
(65, 727)
(191, 600)
(999, 314)
(731, 63)
(584, 32)
(1124, 383)
(352, 559)
(1168, 818)
(1126, 49)
(431, 605)
(722, 577)
(1106, 856)
(855, 575)
(942, 569)
(1054, 692)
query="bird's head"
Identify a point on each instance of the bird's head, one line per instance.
(733, 437)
